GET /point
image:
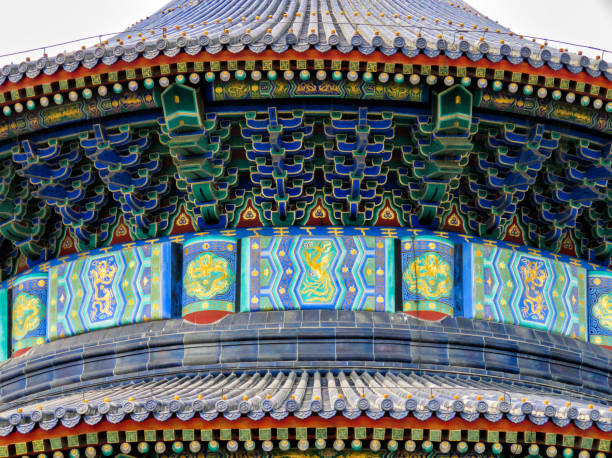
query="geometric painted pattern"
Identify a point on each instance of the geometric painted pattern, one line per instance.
(428, 277)
(29, 311)
(209, 275)
(528, 290)
(111, 289)
(599, 295)
(290, 273)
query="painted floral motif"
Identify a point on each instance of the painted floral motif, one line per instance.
(207, 276)
(602, 310)
(28, 312)
(318, 285)
(429, 276)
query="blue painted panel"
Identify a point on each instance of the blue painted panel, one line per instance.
(209, 275)
(111, 289)
(428, 265)
(347, 273)
(599, 293)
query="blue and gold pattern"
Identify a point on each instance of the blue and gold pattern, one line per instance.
(600, 307)
(428, 277)
(529, 290)
(101, 274)
(532, 304)
(288, 273)
(111, 289)
(501, 282)
(209, 275)
(29, 311)
(602, 310)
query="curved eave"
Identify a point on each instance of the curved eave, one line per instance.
(165, 371)
(303, 395)
(597, 84)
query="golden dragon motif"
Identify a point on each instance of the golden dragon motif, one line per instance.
(534, 278)
(102, 275)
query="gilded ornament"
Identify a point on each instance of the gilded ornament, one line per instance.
(28, 312)
(534, 276)
(602, 310)
(429, 275)
(102, 274)
(318, 285)
(207, 276)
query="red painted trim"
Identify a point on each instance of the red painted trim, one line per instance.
(292, 422)
(333, 54)
(206, 317)
(427, 315)
(18, 353)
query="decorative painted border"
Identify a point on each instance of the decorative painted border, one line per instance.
(376, 231)
(569, 320)
(177, 438)
(394, 69)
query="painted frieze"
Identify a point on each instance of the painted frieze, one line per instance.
(526, 289)
(428, 277)
(56, 115)
(114, 288)
(249, 90)
(29, 312)
(600, 307)
(209, 278)
(346, 273)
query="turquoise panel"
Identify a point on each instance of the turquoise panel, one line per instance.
(346, 273)
(29, 311)
(428, 265)
(110, 289)
(529, 290)
(4, 344)
(209, 274)
(599, 295)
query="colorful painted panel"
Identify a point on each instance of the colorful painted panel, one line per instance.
(29, 311)
(547, 109)
(55, 115)
(243, 90)
(347, 273)
(428, 277)
(209, 278)
(110, 289)
(525, 289)
(4, 344)
(600, 308)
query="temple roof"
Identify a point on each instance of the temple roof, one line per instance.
(303, 394)
(342, 24)
(431, 27)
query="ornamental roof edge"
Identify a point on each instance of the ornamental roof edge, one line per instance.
(433, 28)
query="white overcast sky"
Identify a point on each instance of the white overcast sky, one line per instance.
(28, 24)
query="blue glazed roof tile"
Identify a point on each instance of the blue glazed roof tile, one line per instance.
(303, 394)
